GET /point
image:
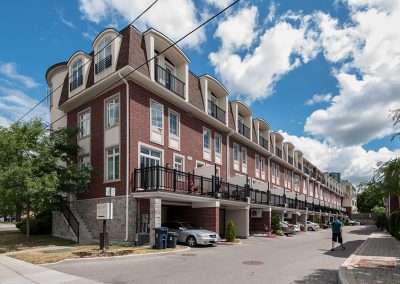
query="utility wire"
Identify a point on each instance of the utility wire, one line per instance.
(167, 48)
(80, 68)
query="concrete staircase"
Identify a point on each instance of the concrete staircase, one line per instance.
(85, 236)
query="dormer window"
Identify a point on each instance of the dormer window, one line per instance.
(104, 55)
(77, 75)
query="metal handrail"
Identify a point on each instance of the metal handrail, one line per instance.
(75, 83)
(169, 81)
(103, 64)
(263, 142)
(69, 216)
(216, 111)
(243, 129)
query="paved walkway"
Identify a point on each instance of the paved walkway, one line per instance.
(16, 271)
(376, 261)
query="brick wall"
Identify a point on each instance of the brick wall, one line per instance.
(257, 224)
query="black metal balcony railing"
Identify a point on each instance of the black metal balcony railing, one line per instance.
(169, 180)
(169, 81)
(75, 83)
(312, 174)
(290, 160)
(243, 129)
(299, 166)
(216, 111)
(278, 152)
(103, 64)
(323, 181)
(263, 142)
(306, 170)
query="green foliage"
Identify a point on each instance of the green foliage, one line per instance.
(279, 233)
(378, 210)
(393, 224)
(39, 225)
(370, 196)
(230, 234)
(319, 221)
(380, 221)
(276, 225)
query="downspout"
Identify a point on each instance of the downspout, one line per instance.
(228, 169)
(127, 160)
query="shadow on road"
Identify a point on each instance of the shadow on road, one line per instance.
(350, 246)
(363, 231)
(326, 276)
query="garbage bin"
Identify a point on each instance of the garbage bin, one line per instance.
(161, 237)
(172, 240)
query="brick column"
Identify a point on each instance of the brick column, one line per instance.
(155, 217)
(303, 219)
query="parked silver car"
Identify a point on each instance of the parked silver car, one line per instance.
(312, 226)
(192, 234)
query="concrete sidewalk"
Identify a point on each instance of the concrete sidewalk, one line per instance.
(16, 271)
(377, 260)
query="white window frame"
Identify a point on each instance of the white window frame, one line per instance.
(218, 155)
(81, 162)
(278, 174)
(244, 160)
(236, 146)
(171, 136)
(262, 163)
(200, 163)
(257, 165)
(103, 52)
(273, 173)
(156, 129)
(207, 151)
(80, 114)
(151, 147)
(113, 155)
(107, 111)
(180, 177)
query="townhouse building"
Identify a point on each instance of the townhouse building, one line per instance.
(349, 197)
(174, 146)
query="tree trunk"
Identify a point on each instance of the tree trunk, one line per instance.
(28, 217)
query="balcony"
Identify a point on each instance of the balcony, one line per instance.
(290, 160)
(243, 129)
(169, 81)
(263, 142)
(278, 152)
(306, 170)
(103, 64)
(299, 166)
(216, 112)
(75, 83)
(312, 174)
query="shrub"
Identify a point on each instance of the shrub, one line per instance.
(379, 209)
(279, 233)
(230, 234)
(319, 222)
(380, 221)
(276, 223)
(39, 225)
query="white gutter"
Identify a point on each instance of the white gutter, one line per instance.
(127, 160)
(228, 170)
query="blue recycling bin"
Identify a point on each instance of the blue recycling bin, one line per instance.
(161, 238)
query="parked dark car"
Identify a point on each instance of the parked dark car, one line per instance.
(287, 229)
(325, 225)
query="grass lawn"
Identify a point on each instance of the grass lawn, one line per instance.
(82, 251)
(15, 241)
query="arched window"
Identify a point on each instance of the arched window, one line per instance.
(104, 55)
(77, 77)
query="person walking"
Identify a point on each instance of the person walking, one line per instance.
(336, 233)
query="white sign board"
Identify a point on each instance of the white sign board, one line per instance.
(104, 211)
(110, 191)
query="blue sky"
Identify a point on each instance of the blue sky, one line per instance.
(325, 73)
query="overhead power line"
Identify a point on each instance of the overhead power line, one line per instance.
(161, 52)
(80, 68)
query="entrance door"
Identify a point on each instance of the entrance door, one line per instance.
(148, 160)
(222, 222)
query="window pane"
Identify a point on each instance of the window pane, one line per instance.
(218, 144)
(236, 152)
(244, 156)
(156, 114)
(206, 139)
(173, 124)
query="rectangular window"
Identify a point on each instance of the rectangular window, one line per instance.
(244, 156)
(112, 112)
(178, 163)
(236, 152)
(156, 110)
(278, 173)
(257, 162)
(112, 163)
(84, 161)
(84, 124)
(273, 173)
(173, 123)
(263, 165)
(218, 144)
(206, 139)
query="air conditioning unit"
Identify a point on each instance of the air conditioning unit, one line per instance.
(287, 215)
(256, 213)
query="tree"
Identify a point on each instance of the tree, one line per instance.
(230, 234)
(35, 164)
(369, 196)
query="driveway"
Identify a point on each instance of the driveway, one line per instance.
(303, 258)
(7, 227)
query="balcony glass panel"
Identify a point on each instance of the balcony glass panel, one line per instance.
(243, 129)
(278, 152)
(263, 142)
(290, 160)
(169, 81)
(216, 111)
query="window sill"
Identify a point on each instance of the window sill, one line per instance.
(84, 137)
(111, 126)
(112, 181)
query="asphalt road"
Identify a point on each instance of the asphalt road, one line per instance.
(303, 258)
(7, 227)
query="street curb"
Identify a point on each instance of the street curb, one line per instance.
(342, 270)
(116, 256)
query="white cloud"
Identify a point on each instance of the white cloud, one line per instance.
(353, 162)
(271, 12)
(219, 3)
(14, 103)
(174, 18)
(239, 30)
(280, 49)
(9, 69)
(60, 13)
(324, 98)
(368, 82)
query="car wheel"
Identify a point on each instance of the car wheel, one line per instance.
(191, 241)
(310, 229)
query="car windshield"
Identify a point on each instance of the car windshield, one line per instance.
(191, 226)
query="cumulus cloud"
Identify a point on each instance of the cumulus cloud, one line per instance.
(353, 162)
(9, 69)
(316, 99)
(271, 12)
(174, 18)
(368, 82)
(219, 3)
(280, 49)
(60, 13)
